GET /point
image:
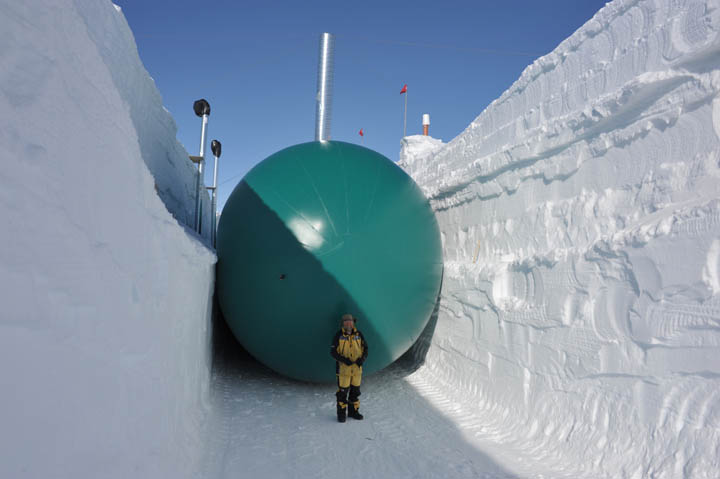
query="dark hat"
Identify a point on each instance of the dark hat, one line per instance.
(348, 316)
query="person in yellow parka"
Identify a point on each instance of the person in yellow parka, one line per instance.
(350, 351)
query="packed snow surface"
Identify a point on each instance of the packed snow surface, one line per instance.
(106, 298)
(270, 426)
(579, 324)
(580, 214)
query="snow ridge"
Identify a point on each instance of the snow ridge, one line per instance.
(580, 313)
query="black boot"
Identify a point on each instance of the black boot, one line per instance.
(354, 413)
(341, 414)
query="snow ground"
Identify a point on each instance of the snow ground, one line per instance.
(270, 426)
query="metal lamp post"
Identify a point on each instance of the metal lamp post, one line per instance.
(202, 110)
(216, 148)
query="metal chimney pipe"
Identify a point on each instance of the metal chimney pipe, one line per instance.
(326, 67)
(426, 124)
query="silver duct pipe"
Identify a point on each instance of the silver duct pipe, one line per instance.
(326, 66)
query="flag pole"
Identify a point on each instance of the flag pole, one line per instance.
(405, 116)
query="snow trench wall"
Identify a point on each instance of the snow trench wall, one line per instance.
(174, 174)
(580, 214)
(105, 297)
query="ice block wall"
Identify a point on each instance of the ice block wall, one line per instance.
(105, 295)
(580, 214)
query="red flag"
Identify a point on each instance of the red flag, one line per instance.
(361, 132)
(404, 89)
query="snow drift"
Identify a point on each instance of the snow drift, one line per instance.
(580, 313)
(106, 298)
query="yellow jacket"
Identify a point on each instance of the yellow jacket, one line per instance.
(348, 346)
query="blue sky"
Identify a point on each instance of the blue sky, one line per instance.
(256, 63)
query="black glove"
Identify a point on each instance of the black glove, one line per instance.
(360, 362)
(346, 361)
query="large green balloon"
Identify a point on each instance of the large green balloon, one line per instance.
(318, 230)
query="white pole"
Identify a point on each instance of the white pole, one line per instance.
(405, 117)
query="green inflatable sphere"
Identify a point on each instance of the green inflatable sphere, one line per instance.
(318, 230)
